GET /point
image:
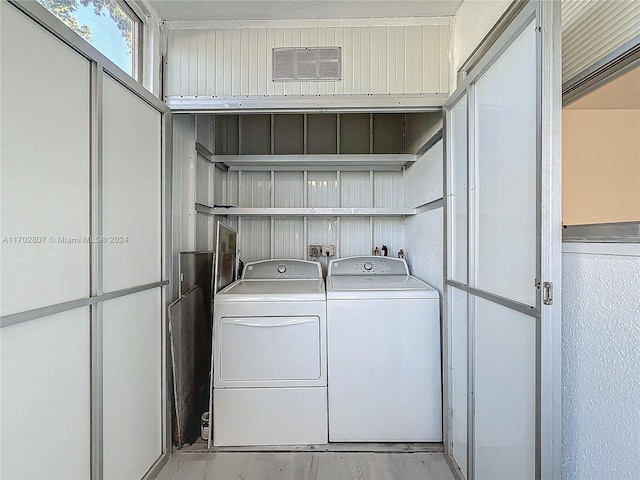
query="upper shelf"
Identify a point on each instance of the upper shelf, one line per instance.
(305, 212)
(353, 162)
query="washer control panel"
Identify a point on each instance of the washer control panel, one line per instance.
(374, 265)
(282, 269)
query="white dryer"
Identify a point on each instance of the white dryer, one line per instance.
(384, 359)
(269, 356)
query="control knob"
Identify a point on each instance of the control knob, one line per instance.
(282, 268)
(368, 266)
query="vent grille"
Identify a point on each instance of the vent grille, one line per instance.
(307, 64)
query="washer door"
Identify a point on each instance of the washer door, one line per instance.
(268, 351)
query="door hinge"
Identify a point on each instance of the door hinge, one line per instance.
(547, 293)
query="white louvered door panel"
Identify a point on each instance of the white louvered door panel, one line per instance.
(592, 30)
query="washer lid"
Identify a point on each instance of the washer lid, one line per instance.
(355, 287)
(285, 290)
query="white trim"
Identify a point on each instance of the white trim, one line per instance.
(305, 23)
(339, 103)
(617, 249)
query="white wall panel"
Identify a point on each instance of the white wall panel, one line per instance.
(355, 237)
(388, 190)
(288, 189)
(205, 134)
(132, 163)
(205, 231)
(132, 384)
(220, 186)
(424, 247)
(356, 189)
(424, 177)
(288, 239)
(322, 189)
(593, 30)
(231, 191)
(45, 167)
(205, 171)
(383, 59)
(323, 231)
(600, 361)
(45, 402)
(183, 214)
(255, 238)
(255, 189)
(389, 232)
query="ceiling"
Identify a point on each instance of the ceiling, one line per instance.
(621, 93)
(300, 9)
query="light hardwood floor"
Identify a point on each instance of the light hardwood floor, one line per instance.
(306, 466)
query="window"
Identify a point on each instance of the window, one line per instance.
(109, 25)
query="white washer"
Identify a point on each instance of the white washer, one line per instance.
(269, 349)
(383, 340)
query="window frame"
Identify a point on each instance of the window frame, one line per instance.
(138, 29)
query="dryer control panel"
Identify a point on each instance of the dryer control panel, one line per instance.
(282, 269)
(374, 265)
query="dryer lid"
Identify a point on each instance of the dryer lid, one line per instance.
(284, 290)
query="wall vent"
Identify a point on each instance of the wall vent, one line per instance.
(307, 64)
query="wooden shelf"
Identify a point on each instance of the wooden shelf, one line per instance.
(305, 212)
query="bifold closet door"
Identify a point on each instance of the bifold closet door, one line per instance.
(131, 255)
(503, 238)
(505, 225)
(44, 219)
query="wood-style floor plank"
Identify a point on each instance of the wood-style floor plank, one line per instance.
(306, 466)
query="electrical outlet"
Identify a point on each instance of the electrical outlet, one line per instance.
(328, 250)
(315, 251)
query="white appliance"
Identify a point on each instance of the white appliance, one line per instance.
(384, 353)
(270, 356)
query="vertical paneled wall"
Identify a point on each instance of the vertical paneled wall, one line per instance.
(234, 60)
(288, 237)
(197, 179)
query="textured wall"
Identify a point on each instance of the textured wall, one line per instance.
(232, 61)
(601, 362)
